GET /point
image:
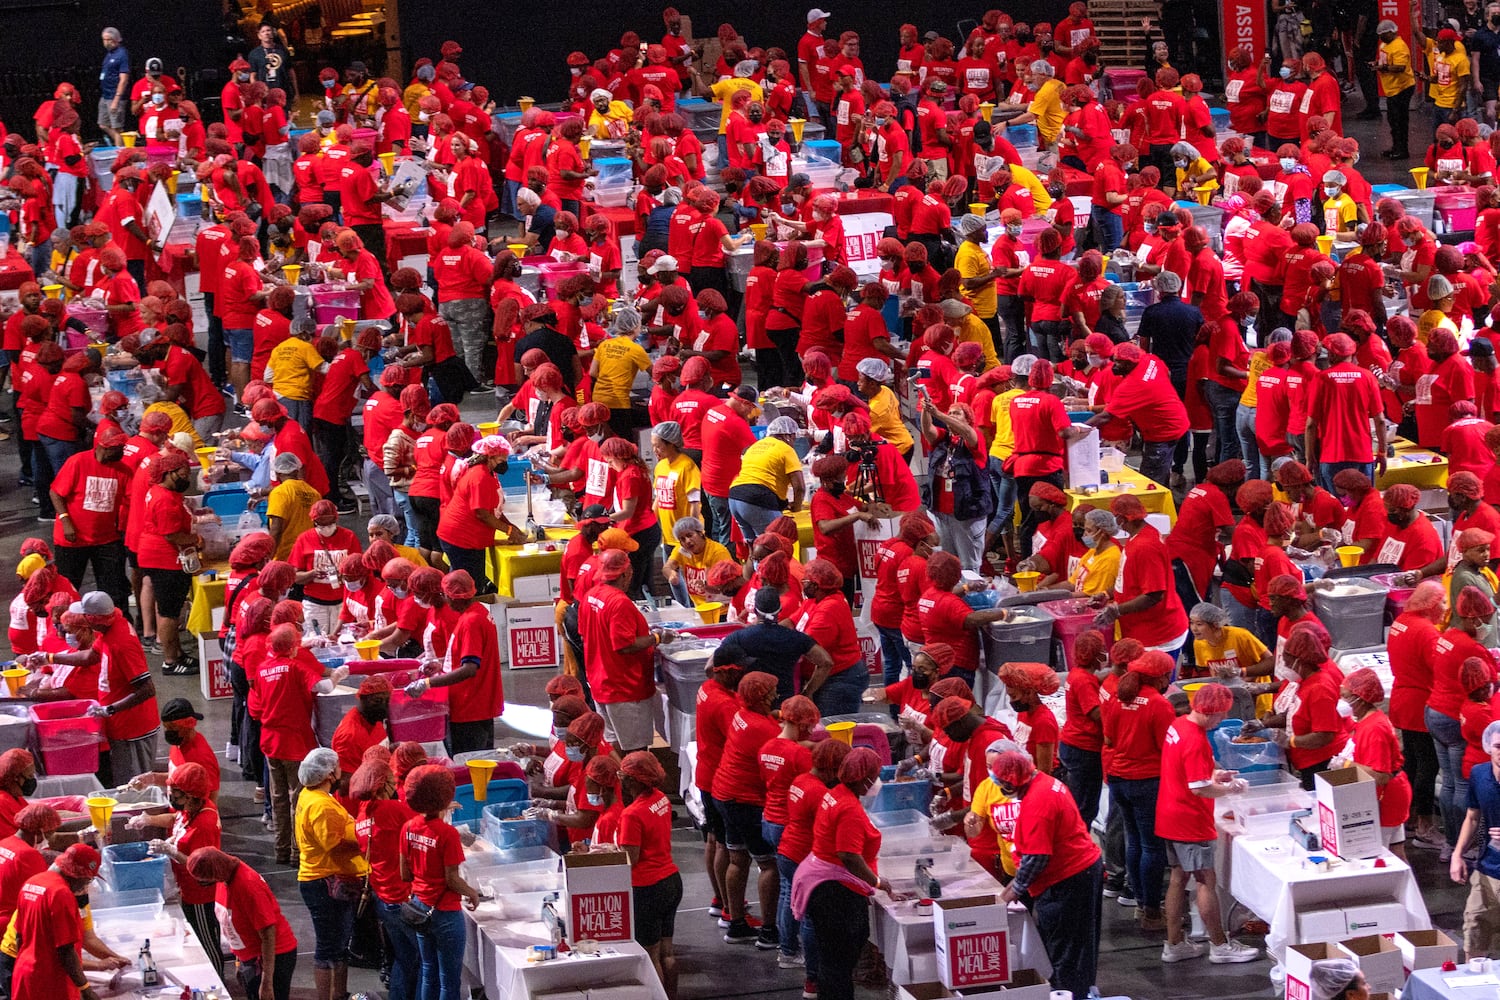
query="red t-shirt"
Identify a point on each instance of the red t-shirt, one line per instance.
(285, 686)
(47, 918)
(1049, 824)
(68, 391)
(19, 862)
(1145, 567)
(715, 707)
(379, 830)
(431, 846)
(272, 328)
(1411, 646)
(165, 514)
(335, 401)
(97, 498)
(739, 777)
(646, 824)
(781, 760)
(609, 620)
(1452, 648)
(633, 481)
(830, 622)
(245, 906)
(1346, 398)
(1411, 547)
(1187, 760)
(1377, 747)
(1045, 283)
(1315, 710)
(1146, 398)
(841, 826)
(802, 798)
(477, 489)
(482, 696)
(837, 548)
(942, 613)
(725, 436)
(1038, 421)
(886, 606)
(1136, 734)
(203, 830)
(1081, 698)
(1195, 537)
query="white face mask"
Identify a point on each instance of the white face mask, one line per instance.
(1094, 360)
(1345, 711)
(1287, 163)
(1286, 673)
(327, 530)
(1331, 192)
(354, 585)
(158, 99)
(1181, 164)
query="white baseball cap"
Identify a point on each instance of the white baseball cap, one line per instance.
(817, 14)
(666, 262)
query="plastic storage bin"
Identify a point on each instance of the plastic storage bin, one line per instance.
(498, 791)
(229, 502)
(682, 667)
(127, 382)
(906, 831)
(824, 149)
(1455, 208)
(130, 867)
(19, 734)
(1071, 618)
(332, 303)
(1395, 597)
(614, 171)
(1025, 641)
(900, 796)
(1265, 810)
(1354, 611)
(419, 720)
(68, 738)
(1418, 203)
(503, 825)
(92, 315)
(1021, 135)
(1244, 757)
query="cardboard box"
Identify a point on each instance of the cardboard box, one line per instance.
(1026, 984)
(600, 904)
(620, 991)
(1321, 925)
(1425, 950)
(923, 991)
(972, 937)
(1379, 959)
(1348, 812)
(1299, 963)
(531, 636)
(213, 679)
(1375, 918)
(532, 589)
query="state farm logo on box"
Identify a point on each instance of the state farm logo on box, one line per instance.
(600, 904)
(973, 941)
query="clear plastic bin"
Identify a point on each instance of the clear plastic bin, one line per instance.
(902, 825)
(614, 171)
(503, 825)
(1419, 204)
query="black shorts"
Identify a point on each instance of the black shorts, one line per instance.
(742, 829)
(171, 587)
(713, 819)
(425, 511)
(656, 909)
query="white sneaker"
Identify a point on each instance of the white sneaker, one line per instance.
(231, 753)
(790, 961)
(1232, 952)
(1182, 951)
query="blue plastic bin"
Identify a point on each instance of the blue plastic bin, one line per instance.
(131, 867)
(127, 382)
(895, 796)
(828, 149)
(1220, 118)
(229, 502)
(1021, 135)
(502, 827)
(500, 790)
(515, 474)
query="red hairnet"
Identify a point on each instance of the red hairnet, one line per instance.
(951, 687)
(860, 766)
(1365, 685)
(1473, 603)
(368, 779)
(1211, 699)
(1036, 678)
(1013, 767)
(643, 766)
(942, 654)
(276, 578)
(944, 570)
(1474, 674)
(1153, 663)
(755, 687)
(587, 729)
(429, 788)
(825, 575)
(949, 711)
(191, 779)
(828, 755)
(799, 710)
(1307, 642)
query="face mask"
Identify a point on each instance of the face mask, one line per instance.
(575, 754)
(1287, 163)
(595, 800)
(1150, 227)
(880, 122)
(73, 641)
(354, 585)
(1093, 360)
(837, 489)
(399, 592)
(1399, 520)
(158, 99)
(1014, 232)
(921, 681)
(422, 116)
(329, 84)
(1331, 192)
(173, 737)
(326, 530)
(1181, 164)
(375, 713)
(1286, 72)
(28, 785)
(1078, 534)
(809, 591)
(1286, 673)
(178, 802)
(1346, 710)
(576, 71)
(423, 604)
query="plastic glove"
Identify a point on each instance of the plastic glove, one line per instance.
(1332, 536)
(98, 712)
(157, 846)
(946, 820)
(906, 766)
(338, 675)
(1408, 579)
(1293, 552)
(1252, 726)
(1107, 616)
(139, 782)
(1239, 786)
(1281, 737)
(417, 688)
(545, 815)
(32, 661)
(136, 822)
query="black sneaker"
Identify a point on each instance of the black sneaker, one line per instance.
(181, 668)
(740, 933)
(46, 518)
(768, 939)
(346, 506)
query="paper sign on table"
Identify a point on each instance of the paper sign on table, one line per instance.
(531, 634)
(1083, 461)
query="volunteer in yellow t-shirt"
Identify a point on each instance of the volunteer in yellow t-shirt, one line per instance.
(768, 470)
(1393, 71)
(885, 409)
(687, 567)
(289, 503)
(1046, 107)
(1217, 645)
(616, 362)
(677, 485)
(992, 810)
(1341, 215)
(290, 370)
(1447, 69)
(1098, 567)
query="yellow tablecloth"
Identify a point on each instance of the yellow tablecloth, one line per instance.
(206, 596)
(1421, 467)
(508, 562)
(1157, 499)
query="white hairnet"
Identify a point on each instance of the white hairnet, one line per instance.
(1168, 283)
(1332, 976)
(317, 767)
(1023, 364)
(782, 426)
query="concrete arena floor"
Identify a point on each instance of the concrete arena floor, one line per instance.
(1129, 961)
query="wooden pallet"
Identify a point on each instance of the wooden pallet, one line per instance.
(1118, 25)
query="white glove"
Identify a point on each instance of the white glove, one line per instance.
(98, 712)
(1281, 737)
(545, 815)
(417, 688)
(139, 782)
(158, 847)
(136, 822)
(1332, 536)
(338, 675)
(1238, 786)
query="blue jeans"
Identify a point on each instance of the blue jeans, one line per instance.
(1145, 854)
(1005, 497)
(798, 929)
(406, 961)
(1109, 228)
(1453, 793)
(1327, 470)
(788, 927)
(753, 520)
(896, 653)
(719, 508)
(1222, 403)
(1085, 779)
(403, 511)
(1244, 426)
(299, 410)
(332, 920)
(841, 693)
(1156, 460)
(441, 945)
(55, 452)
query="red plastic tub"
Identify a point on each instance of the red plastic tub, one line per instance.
(712, 631)
(1073, 617)
(332, 303)
(419, 720)
(1396, 597)
(69, 739)
(364, 668)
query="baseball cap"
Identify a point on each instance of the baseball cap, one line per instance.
(817, 14)
(178, 709)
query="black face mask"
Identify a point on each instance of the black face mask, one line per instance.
(501, 469)
(1399, 520)
(1078, 533)
(921, 681)
(173, 738)
(837, 489)
(375, 713)
(809, 591)
(28, 785)
(178, 802)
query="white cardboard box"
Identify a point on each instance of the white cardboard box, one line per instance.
(620, 991)
(213, 678)
(1348, 812)
(923, 991)
(1299, 963)
(1026, 984)
(1321, 925)
(1425, 949)
(600, 904)
(972, 937)
(531, 636)
(1379, 959)
(540, 587)
(1374, 918)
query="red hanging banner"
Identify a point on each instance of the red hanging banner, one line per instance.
(1400, 12)
(1242, 23)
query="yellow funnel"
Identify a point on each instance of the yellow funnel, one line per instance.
(1350, 555)
(205, 456)
(101, 808)
(129, 138)
(99, 345)
(841, 731)
(291, 272)
(388, 161)
(583, 146)
(519, 249)
(525, 103)
(1325, 245)
(52, 291)
(1204, 197)
(368, 649)
(1026, 580)
(488, 428)
(758, 229)
(172, 183)
(978, 208)
(797, 124)
(986, 110)
(480, 771)
(346, 328)
(14, 678)
(712, 612)
(1419, 174)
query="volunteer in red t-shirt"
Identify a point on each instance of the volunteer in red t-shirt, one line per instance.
(655, 883)
(471, 666)
(166, 533)
(1060, 868)
(946, 616)
(1305, 716)
(250, 918)
(1136, 720)
(316, 555)
(48, 923)
(91, 496)
(1145, 597)
(1081, 742)
(1042, 430)
(1190, 781)
(193, 823)
(431, 853)
(1343, 401)
(378, 827)
(1145, 397)
(1376, 746)
(470, 522)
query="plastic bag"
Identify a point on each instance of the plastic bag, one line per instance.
(1234, 756)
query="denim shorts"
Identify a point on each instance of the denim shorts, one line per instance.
(332, 920)
(743, 830)
(241, 345)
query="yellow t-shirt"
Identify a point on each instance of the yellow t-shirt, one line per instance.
(695, 568)
(885, 419)
(1395, 58)
(972, 329)
(1097, 571)
(407, 552)
(1040, 199)
(723, 93)
(769, 462)
(1197, 168)
(1004, 444)
(1434, 319)
(1444, 73)
(618, 111)
(1259, 362)
(290, 368)
(1239, 648)
(999, 811)
(1048, 107)
(972, 262)
(322, 827)
(290, 501)
(1339, 214)
(181, 424)
(676, 484)
(412, 96)
(619, 359)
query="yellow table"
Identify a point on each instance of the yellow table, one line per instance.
(1421, 467)
(1156, 498)
(506, 563)
(207, 596)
